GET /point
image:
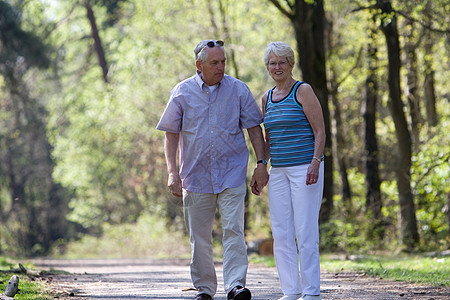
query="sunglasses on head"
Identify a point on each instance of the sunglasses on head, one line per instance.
(211, 44)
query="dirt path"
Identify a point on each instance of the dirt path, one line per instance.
(170, 279)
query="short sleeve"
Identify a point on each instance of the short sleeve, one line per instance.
(172, 116)
(251, 114)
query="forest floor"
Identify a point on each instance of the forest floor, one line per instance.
(169, 279)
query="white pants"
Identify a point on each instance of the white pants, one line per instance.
(199, 212)
(294, 215)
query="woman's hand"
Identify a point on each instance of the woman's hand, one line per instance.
(312, 176)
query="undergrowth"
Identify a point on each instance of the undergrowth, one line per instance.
(29, 289)
(407, 268)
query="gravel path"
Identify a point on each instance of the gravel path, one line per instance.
(170, 279)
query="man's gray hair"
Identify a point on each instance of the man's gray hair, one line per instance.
(201, 55)
(280, 49)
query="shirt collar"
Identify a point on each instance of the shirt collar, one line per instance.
(200, 82)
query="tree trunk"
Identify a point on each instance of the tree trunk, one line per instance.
(448, 213)
(412, 80)
(372, 182)
(408, 222)
(430, 94)
(97, 41)
(309, 25)
(341, 156)
(17, 187)
(227, 38)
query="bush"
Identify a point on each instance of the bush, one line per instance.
(148, 237)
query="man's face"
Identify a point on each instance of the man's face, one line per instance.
(213, 68)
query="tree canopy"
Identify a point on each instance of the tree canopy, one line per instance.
(83, 85)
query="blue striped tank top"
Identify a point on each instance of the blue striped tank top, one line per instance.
(291, 135)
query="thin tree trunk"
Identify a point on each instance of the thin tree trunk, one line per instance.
(97, 41)
(309, 25)
(341, 157)
(372, 182)
(408, 222)
(430, 94)
(227, 38)
(340, 143)
(333, 42)
(412, 80)
(226, 32)
(448, 213)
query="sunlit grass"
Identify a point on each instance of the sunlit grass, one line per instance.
(413, 269)
(28, 289)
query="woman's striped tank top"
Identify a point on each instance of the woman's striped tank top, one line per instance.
(291, 135)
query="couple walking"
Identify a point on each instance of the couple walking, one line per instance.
(204, 121)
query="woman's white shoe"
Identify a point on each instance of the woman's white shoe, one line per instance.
(290, 297)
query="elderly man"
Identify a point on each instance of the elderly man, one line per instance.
(205, 117)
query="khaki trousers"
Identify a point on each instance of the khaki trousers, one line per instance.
(199, 212)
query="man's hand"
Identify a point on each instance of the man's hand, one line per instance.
(259, 179)
(174, 184)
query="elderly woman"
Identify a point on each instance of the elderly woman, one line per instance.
(295, 136)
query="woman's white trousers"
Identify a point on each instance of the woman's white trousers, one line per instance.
(294, 215)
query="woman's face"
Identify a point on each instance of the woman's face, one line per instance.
(279, 68)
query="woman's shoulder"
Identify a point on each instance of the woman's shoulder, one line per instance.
(264, 100)
(305, 94)
(304, 87)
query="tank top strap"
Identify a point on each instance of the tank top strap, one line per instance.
(269, 96)
(296, 86)
(290, 96)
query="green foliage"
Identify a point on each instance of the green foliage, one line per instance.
(19, 43)
(268, 261)
(431, 180)
(107, 157)
(27, 190)
(414, 269)
(106, 147)
(5, 263)
(351, 233)
(148, 237)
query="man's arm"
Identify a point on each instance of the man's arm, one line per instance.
(260, 175)
(170, 149)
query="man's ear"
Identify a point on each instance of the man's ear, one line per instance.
(199, 65)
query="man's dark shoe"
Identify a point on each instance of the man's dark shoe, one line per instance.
(239, 293)
(203, 297)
